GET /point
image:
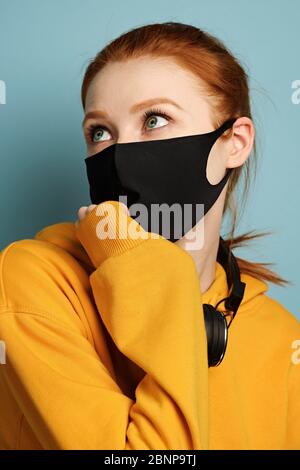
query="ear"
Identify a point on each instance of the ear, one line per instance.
(241, 142)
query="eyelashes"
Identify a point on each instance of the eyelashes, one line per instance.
(154, 112)
(146, 115)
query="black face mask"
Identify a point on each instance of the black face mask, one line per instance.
(158, 172)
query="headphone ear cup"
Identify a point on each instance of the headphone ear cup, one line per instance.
(216, 332)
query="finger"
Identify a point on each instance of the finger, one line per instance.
(126, 210)
(90, 208)
(81, 212)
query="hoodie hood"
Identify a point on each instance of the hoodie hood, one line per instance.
(64, 236)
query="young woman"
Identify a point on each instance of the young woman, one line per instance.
(106, 342)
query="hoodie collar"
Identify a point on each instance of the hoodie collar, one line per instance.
(64, 235)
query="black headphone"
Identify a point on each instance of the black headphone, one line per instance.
(215, 320)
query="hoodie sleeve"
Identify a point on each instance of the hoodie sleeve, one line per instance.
(148, 294)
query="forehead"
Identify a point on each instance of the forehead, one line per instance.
(140, 79)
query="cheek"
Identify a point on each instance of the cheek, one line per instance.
(216, 169)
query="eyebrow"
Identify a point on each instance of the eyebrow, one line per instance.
(134, 109)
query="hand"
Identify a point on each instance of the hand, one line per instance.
(84, 210)
(117, 223)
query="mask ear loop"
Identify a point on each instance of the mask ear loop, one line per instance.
(225, 126)
(217, 133)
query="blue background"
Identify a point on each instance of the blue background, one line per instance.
(45, 47)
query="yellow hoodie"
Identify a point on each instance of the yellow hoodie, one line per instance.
(105, 348)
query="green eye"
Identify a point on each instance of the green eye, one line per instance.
(96, 133)
(152, 121)
(97, 136)
(156, 118)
